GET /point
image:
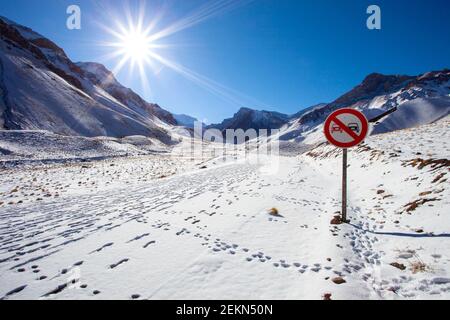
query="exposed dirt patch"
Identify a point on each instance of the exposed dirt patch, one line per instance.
(327, 296)
(274, 212)
(415, 204)
(398, 265)
(336, 220)
(439, 177)
(422, 163)
(418, 266)
(338, 280)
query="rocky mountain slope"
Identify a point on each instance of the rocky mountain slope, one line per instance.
(247, 118)
(185, 120)
(42, 89)
(419, 100)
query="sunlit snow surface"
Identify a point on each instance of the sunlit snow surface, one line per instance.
(159, 226)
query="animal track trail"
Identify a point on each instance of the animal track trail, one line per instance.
(223, 247)
(29, 235)
(367, 258)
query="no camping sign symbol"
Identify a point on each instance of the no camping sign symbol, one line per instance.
(346, 128)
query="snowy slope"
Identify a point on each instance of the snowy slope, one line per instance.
(185, 120)
(420, 100)
(27, 147)
(415, 113)
(161, 226)
(104, 79)
(41, 89)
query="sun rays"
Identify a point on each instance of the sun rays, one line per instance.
(137, 43)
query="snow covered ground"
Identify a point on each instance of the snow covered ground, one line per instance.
(162, 226)
(18, 147)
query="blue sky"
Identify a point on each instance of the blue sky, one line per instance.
(282, 55)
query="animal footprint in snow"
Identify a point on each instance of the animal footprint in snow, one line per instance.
(103, 247)
(13, 292)
(139, 237)
(115, 265)
(182, 231)
(149, 243)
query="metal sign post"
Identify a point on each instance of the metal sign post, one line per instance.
(346, 128)
(344, 186)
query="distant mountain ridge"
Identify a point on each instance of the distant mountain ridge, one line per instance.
(247, 118)
(185, 120)
(419, 100)
(42, 89)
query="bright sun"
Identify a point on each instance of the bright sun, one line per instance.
(135, 45)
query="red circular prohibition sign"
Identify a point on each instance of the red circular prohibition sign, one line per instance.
(357, 138)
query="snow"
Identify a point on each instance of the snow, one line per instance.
(137, 215)
(42, 146)
(415, 113)
(416, 105)
(185, 120)
(45, 101)
(167, 225)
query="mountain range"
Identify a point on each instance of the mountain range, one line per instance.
(417, 100)
(42, 89)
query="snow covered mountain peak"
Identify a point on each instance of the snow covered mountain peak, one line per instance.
(373, 85)
(417, 100)
(97, 72)
(42, 89)
(103, 78)
(247, 118)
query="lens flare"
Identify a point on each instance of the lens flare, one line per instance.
(136, 46)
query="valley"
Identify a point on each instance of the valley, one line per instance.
(158, 227)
